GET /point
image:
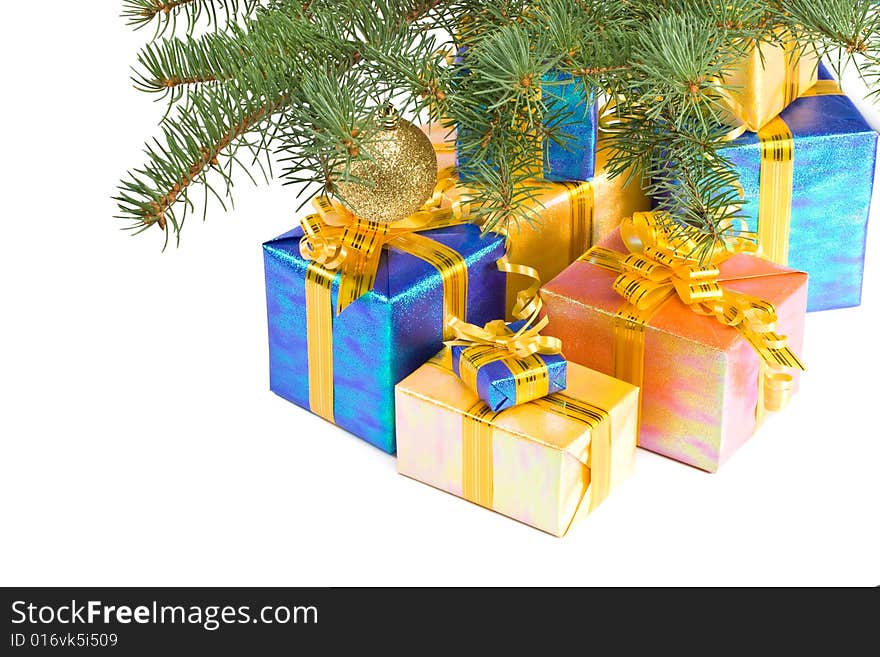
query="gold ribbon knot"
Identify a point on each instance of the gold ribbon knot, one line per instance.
(336, 243)
(523, 343)
(337, 240)
(663, 262)
(520, 350)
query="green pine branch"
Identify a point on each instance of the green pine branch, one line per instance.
(186, 14)
(302, 79)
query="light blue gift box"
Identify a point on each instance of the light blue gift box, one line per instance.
(834, 157)
(575, 159)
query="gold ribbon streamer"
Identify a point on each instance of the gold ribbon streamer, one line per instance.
(581, 200)
(477, 476)
(337, 242)
(319, 332)
(777, 180)
(520, 351)
(664, 262)
(775, 190)
(599, 422)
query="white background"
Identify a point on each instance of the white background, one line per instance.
(141, 445)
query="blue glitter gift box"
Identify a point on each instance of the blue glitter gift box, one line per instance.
(816, 162)
(575, 159)
(509, 381)
(382, 337)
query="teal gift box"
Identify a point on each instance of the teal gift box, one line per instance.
(573, 160)
(347, 374)
(807, 178)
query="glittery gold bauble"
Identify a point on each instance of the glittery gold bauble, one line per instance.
(403, 170)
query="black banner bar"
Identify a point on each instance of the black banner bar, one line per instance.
(245, 621)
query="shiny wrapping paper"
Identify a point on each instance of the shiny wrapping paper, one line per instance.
(380, 338)
(574, 217)
(767, 80)
(505, 383)
(700, 382)
(576, 160)
(536, 465)
(830, 182)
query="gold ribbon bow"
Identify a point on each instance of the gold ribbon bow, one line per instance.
(663, 262)
(337, 240)
(523, 343)
(519, 350)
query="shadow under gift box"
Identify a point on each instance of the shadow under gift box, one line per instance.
(537, 462)
(700, 381)
(828, 189)
(383, 336)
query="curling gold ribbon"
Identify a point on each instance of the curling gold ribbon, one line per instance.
(337, 242)
(575, 206)
(519, 351)
(664, 262)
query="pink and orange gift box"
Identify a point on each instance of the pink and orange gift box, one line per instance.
(705, 388)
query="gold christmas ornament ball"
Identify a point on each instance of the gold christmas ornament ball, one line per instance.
(403, 170)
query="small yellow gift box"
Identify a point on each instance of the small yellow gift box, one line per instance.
(546, 463)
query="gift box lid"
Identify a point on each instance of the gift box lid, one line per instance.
(591, 285)
(409, 271)
(531, 421)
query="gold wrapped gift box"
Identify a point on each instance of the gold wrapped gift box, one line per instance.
(546, 463)
(574, 217)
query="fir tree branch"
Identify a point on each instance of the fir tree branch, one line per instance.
(334, 61)
(167, 13)
(148, 196)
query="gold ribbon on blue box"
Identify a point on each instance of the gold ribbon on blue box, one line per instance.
(807, 177)
(355, 306)
(573, 216)
(509, 364)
